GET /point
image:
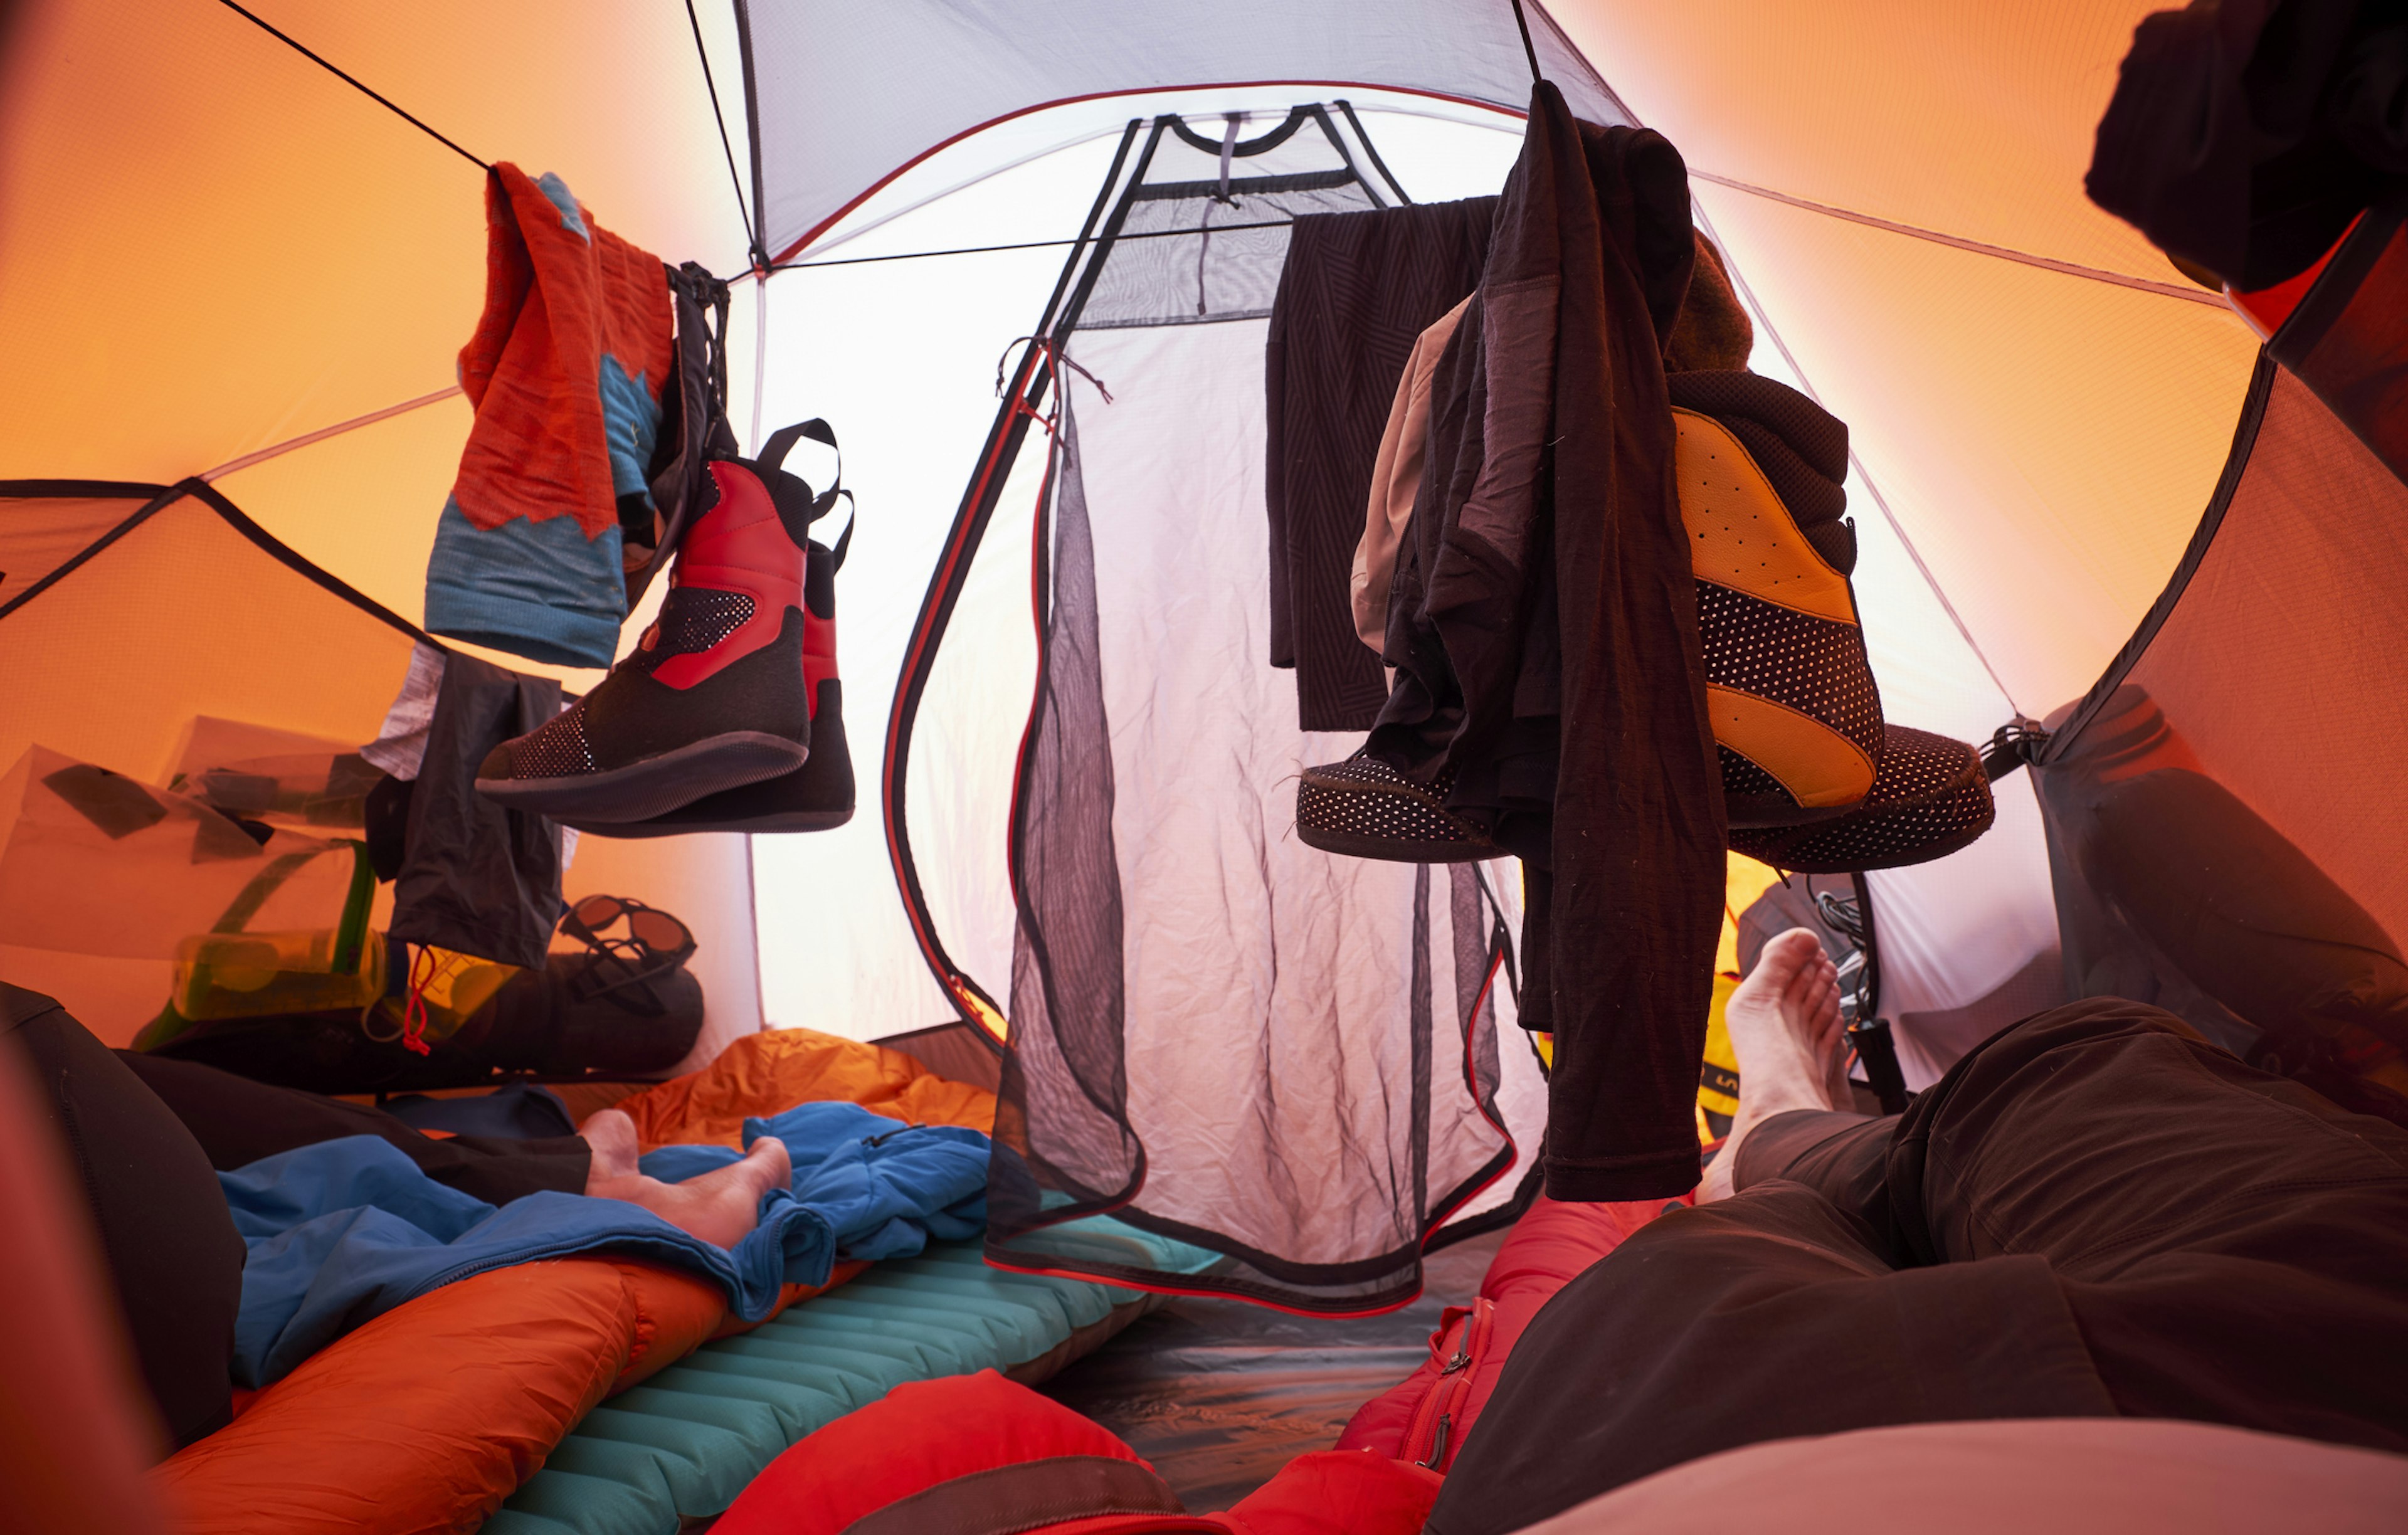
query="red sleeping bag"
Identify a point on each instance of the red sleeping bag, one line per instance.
(1424, 1419)
(976, 1454)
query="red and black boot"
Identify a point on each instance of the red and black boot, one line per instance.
(816, 797)
(819, 794)
(716, 696)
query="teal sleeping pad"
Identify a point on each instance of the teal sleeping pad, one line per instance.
(683, 1445)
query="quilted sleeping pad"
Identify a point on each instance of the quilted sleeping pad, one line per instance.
(681, 1447)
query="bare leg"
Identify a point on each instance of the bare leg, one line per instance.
(1785, 1031)
(720, 1206)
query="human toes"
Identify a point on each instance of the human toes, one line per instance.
(1821, 1002)
(1781, 966)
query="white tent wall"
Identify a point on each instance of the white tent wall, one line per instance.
(980, 62)
(901, 356)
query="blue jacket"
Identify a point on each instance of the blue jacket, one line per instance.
(344, 1232)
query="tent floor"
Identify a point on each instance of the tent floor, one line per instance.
(1219, 1394)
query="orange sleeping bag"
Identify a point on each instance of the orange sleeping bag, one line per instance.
(427, 1418)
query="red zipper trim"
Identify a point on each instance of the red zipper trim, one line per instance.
(1431, 1441)
(1425, 1415)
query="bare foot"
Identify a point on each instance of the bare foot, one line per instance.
(1785, 1034)
(720, 1206)
(612, 1137)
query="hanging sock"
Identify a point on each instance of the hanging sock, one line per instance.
(566, 370)
(718, 695)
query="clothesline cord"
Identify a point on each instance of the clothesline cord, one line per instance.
(1023, 245)
(355, 83)
(751, 242)
(1959, 242)
(1979, 247)
(1523, 24)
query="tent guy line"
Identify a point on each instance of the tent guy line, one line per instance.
(719, 117)
(753, 243)
(1979, 247)
(355, 82)
(1022, 245)
(1954, 242)
(1873, 487)
(321, 434)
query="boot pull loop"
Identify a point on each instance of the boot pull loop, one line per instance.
(781, 441)
(852, 515)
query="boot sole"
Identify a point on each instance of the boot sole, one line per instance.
(655, 785)
(783, 822)
(1396, 850)
(1764, 812)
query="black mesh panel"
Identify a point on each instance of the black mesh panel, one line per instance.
(1063, 1143)
(2224, 816)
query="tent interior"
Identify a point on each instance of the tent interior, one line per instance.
(244, 245)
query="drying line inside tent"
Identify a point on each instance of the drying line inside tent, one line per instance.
(1764, 323)
(1023, 245)
(1979, 247)
(719, 116)
(355, 83)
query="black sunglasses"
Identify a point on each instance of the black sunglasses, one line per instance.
(654, 943)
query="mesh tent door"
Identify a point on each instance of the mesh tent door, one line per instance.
(1215, 1032)
(2225, 825)
(127, 614)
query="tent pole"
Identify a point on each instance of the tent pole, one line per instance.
(1026, 388)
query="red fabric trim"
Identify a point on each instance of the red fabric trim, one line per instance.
(882, 182)
(1196, 1291)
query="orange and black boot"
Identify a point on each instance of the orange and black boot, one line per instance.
(1814, 779)
(1797, 715)
(716, 694)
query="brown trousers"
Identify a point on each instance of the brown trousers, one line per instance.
(2096, 1213)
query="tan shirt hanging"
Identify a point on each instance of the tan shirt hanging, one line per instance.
(1395, 476)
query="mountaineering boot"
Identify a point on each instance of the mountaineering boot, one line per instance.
(713, 697)
(1797, 714)
(1813, 778)
(1931, 798)
(817, 795)
(1366, 809)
